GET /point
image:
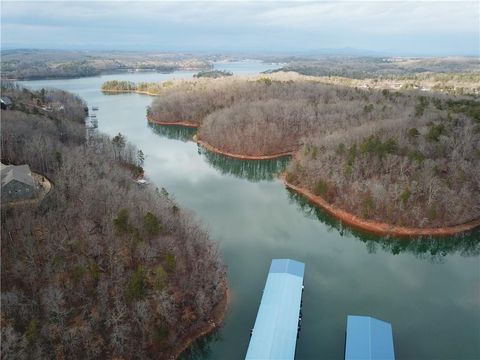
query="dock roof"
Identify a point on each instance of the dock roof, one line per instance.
(368, 339)
(274, 335)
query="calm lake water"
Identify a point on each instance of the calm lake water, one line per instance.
(429, 290)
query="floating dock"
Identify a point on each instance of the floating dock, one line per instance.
(368, 339)
(274, 335)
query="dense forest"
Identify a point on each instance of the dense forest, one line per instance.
(466, 83)
(451, 75)
(42, 64)
(103, 267)
(405, 157)
(360, 67)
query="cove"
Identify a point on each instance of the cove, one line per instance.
(429, 290)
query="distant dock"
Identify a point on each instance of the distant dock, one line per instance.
(275, 333)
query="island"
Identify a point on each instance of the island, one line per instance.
(214, 74)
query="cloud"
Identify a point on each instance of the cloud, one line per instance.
(231, 25)
(394, 17)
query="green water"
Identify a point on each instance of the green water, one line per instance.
(429, 290)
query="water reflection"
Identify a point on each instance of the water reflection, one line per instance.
(116, 93)
(432, 248)
(252, 170)
(174, 132)
(201, 348)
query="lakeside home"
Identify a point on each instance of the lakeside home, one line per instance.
(17, 183)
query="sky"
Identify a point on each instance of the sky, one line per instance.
(410, 28)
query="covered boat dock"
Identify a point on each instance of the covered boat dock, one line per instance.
(274, 335)
(368, 339)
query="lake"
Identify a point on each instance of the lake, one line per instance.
(429, 290)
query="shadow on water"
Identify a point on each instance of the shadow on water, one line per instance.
(252, 170)
(173, 132)
(431, 248)
(201, 348)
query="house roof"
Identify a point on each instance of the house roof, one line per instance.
(19, 173)
(6, 100)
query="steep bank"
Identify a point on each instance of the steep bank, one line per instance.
(174, 123)
(379, 228)
(216, 150)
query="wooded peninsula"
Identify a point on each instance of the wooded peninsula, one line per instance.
(406, 157)
(102, 267)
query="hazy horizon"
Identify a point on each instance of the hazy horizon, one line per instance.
(396, 28)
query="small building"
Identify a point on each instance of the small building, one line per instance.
(275, 333)
(368, 339)
(17, 183)
(5, 102)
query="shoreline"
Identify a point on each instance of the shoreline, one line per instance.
(376, 227)
(239, 156)
(174, 123)
(129, 91)
(219, 312)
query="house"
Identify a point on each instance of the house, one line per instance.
(5, 102)
(17, 183)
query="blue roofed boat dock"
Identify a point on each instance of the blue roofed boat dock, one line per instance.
(274, 335)
(368, 339)
(279, 316)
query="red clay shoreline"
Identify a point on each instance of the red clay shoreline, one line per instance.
(129, 91)
(376, 227)
(239, 156)
(174, 123)
(218, 316)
